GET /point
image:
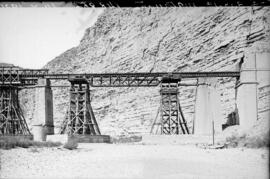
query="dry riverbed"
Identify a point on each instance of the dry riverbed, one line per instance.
(134, 161)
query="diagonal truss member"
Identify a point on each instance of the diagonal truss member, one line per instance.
(172, 120)
(80, 117)
(12, 121)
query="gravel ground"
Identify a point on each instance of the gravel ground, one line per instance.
(134, 161)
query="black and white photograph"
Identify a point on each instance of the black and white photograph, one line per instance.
(118, 90)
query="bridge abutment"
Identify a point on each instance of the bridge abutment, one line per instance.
(43, 114)
(254, 76)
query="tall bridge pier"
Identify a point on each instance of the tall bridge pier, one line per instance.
(43, 114)
(43, 123)
(171, 120)
(80, 119)
(12, 121)
(207, 108)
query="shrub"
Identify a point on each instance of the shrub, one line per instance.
(71, 144)
(9, 142)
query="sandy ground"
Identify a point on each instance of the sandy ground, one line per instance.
(134, 161)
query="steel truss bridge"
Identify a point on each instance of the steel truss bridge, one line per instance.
(24, 77)
(80, 112)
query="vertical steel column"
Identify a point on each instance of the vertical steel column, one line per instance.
(85, 112)
(77, 109)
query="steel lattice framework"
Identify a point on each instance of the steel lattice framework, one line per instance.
(12, 79)
(12, 121)
(20, 77)
(80, 118)
(24, 77)
(172, 120)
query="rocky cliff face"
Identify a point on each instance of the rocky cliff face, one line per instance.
(158, 40)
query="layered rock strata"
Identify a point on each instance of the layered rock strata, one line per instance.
(158, 40)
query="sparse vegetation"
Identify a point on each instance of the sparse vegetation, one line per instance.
(9, 142)
(248, 141)
(71, 144)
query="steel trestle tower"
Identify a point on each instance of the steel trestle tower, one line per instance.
(172, 121)
(80, 117)
(12, 121)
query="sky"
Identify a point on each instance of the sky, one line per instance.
(31, 37)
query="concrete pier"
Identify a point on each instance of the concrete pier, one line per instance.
(43, 115)
(254, 75)
(207, 108)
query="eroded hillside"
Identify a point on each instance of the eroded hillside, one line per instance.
(157, 40)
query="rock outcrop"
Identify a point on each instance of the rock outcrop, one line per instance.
(158, 40)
